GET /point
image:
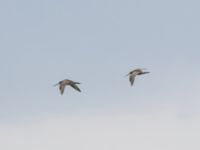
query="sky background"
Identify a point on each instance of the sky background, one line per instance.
(97, 42)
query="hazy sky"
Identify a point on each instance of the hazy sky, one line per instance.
(97, 42)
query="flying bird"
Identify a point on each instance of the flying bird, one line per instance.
(66, 82)
(134, 73)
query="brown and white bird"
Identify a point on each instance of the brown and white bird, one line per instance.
(66, 82)
(134, 73)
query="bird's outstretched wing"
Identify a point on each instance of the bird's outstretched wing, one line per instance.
(62, 88)
(132, 78)
(75, 87)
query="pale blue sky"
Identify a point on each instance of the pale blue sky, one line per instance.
(97, 42)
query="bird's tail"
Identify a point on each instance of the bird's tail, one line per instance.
(56, 84)
(126, 75)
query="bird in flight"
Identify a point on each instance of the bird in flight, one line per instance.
(66, 82)
(134, 73)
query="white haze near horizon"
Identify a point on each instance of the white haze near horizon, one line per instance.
(113, 132)
(97, 42)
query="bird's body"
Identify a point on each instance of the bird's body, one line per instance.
(66, 82)
(134, 73)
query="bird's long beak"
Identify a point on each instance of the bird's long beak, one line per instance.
(145, 72)
(77, 82)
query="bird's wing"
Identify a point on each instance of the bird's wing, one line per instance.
(75, 87)
(62, 88)
(132, 78)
